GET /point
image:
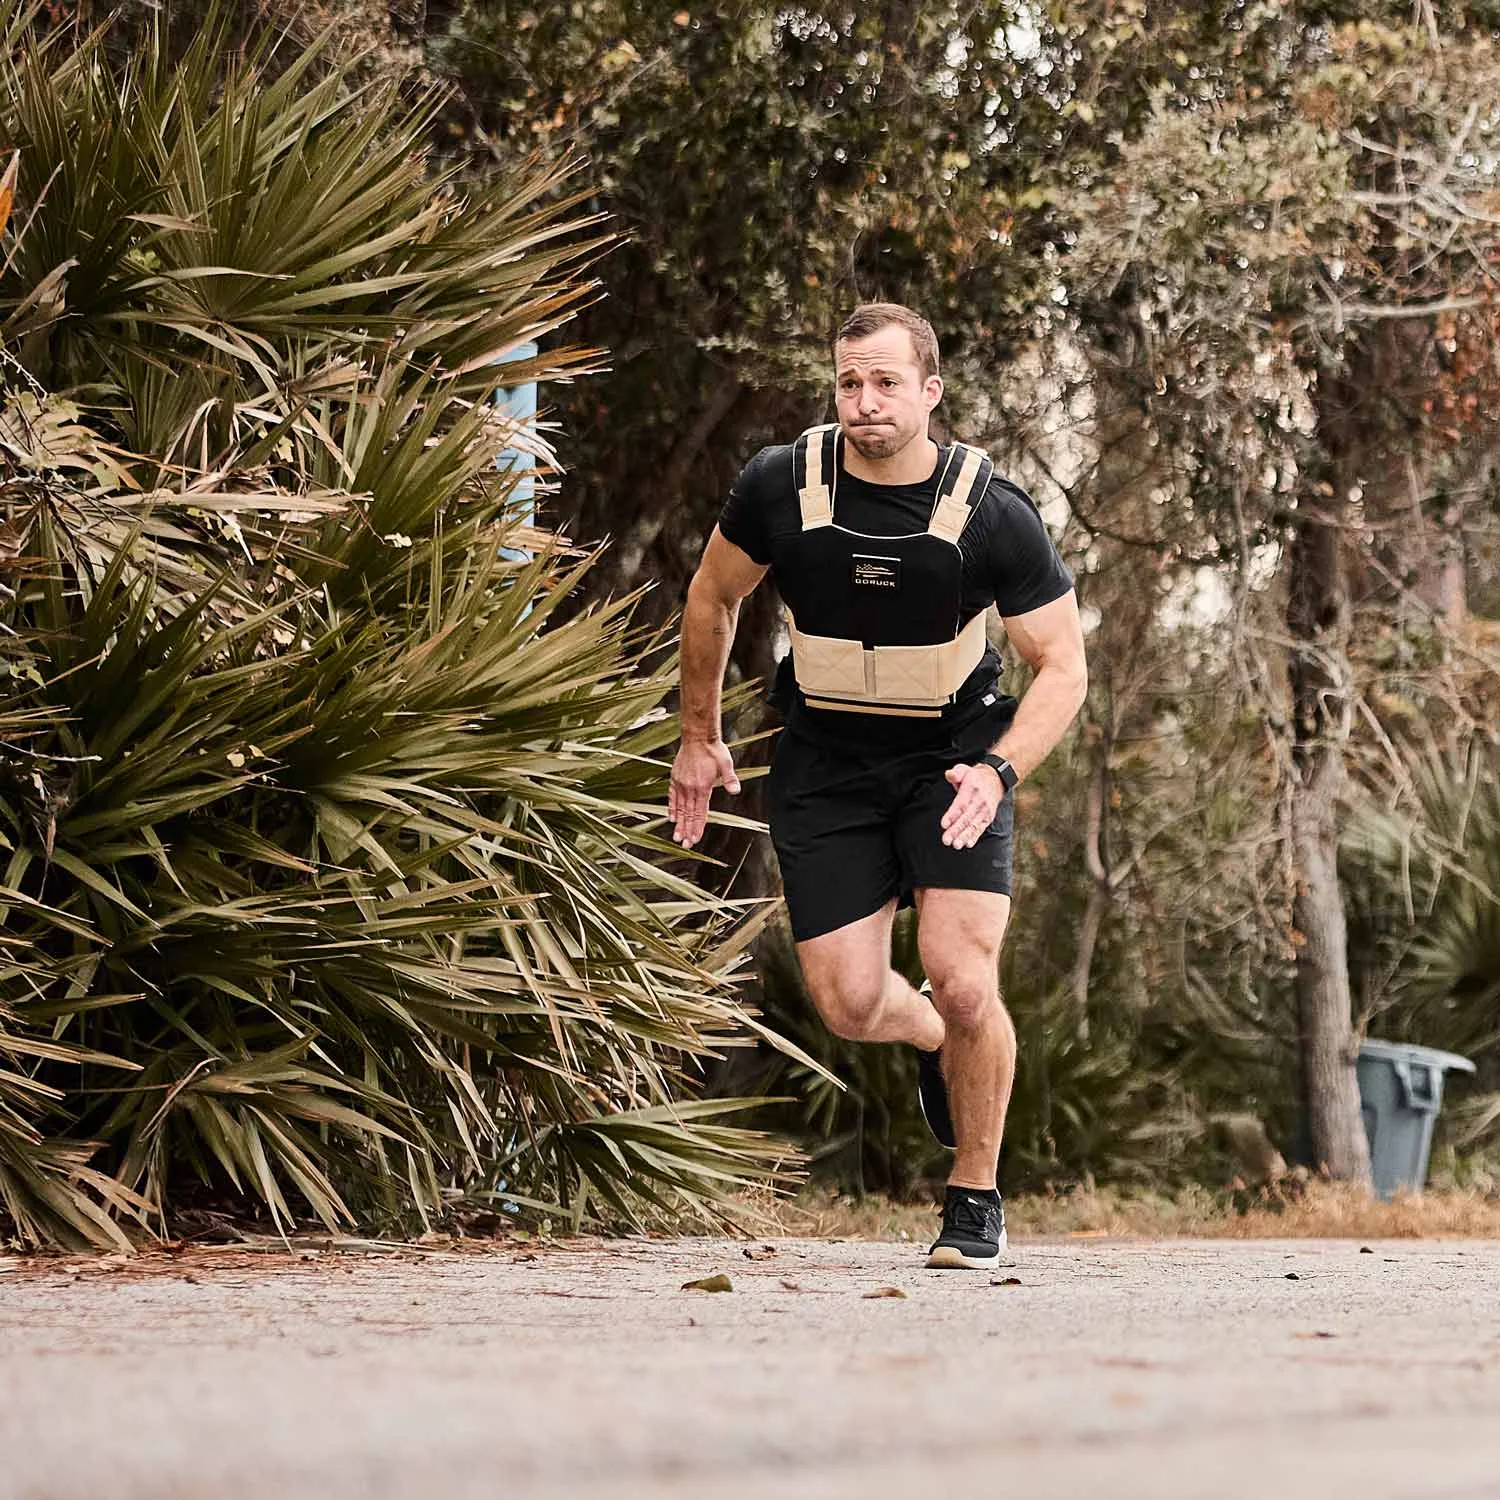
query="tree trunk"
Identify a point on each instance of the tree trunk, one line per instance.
(1318, 619)
(1331, 1093)
(1101, 888)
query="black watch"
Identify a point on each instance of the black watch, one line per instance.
(1003, 769)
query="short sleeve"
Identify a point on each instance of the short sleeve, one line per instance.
(1025, 568)
(745, 519)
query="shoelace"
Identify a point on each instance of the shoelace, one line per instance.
(974, 1215)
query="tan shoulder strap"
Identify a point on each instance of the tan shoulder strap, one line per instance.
(965, 479)
(815, 467)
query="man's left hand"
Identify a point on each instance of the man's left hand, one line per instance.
(978, 793)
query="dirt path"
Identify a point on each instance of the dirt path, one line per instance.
(1260, 1369)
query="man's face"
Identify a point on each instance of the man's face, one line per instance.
(883, 400)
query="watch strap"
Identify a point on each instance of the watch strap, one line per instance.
(1003, 769)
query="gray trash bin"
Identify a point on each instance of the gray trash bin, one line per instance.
(1400, 1093)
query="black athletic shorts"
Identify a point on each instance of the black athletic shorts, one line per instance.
(852, 831)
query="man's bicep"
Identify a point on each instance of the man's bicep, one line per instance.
(1051, 635)
(727, 572)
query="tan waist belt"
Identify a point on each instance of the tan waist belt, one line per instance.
(916, 681)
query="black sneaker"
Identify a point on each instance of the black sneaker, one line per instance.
(973, 1231)
(932, 1095)
(932, 1088)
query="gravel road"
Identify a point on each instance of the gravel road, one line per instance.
(1081, 1368)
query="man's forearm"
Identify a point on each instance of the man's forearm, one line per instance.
(1048, 707)
(707, 634)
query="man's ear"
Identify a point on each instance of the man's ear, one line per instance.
(933, 389)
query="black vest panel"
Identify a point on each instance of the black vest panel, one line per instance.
(879, 590)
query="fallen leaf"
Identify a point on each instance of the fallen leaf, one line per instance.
(1316, 1333)
(1365, 1250)
(758, 1252)
(1293, 1276)
(719, 1283)
(1009, 1281)
(791, 1286)
(885, 1291)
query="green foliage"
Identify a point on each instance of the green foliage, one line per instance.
(1273, 273)
(775, 165)
(1426, 873)
(1423, 872)
(331, 864)
(1248, 249)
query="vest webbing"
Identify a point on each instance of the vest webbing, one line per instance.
(817, 456)
(918, 681)
(909, 681)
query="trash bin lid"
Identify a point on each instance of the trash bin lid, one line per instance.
(1430, 1057)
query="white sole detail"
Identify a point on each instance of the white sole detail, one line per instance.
(950, 1258)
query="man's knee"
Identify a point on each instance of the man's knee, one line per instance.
(852, 1016)
(968, 999)
(848, 1006)
(846, 973)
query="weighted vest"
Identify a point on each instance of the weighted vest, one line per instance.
(875, 620)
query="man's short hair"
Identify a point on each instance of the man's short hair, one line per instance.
(871, 317)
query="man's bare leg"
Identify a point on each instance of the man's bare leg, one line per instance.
(859, 996)
(959, 934)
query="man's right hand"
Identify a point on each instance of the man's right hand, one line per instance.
(700, 766)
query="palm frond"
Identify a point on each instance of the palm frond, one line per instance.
(333, 871)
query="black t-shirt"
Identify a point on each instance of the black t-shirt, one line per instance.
(1008, 560)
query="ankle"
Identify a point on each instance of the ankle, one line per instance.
(986, 1190)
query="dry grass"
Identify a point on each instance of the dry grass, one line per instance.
(1318, 1210)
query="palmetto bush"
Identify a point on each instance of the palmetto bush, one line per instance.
(331, 865)
(1425, 924)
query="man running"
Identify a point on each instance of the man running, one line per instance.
(891, 780)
